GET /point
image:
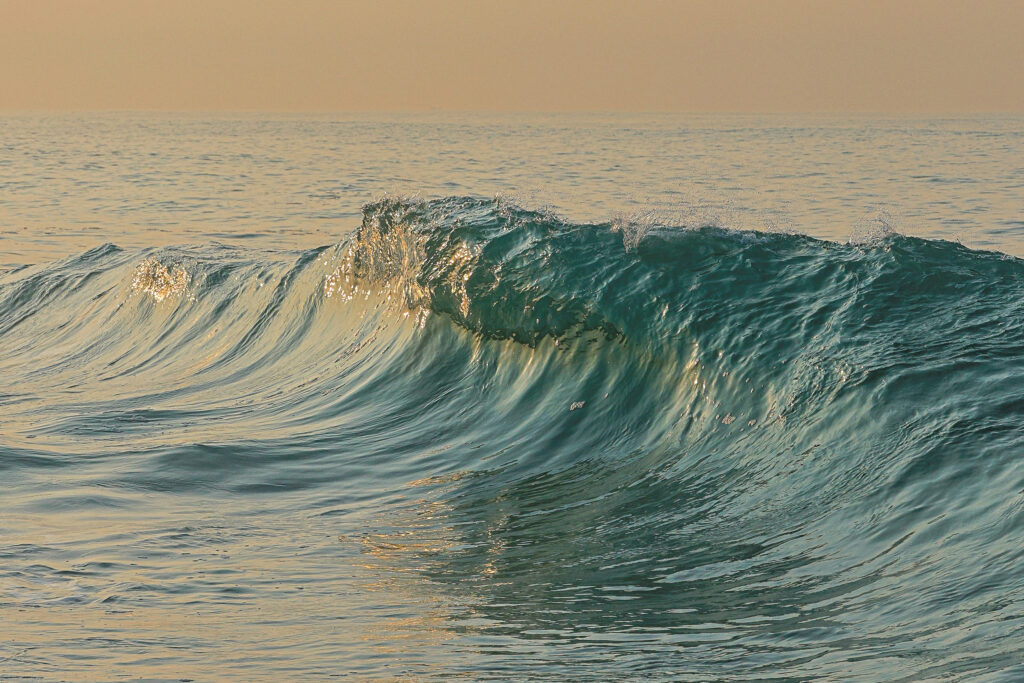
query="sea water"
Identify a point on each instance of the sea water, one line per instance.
(582, 397)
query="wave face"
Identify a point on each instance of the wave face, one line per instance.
(497, 444)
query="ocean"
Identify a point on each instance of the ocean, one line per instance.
(511, 397)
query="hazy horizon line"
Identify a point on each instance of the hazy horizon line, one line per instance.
(548, 112)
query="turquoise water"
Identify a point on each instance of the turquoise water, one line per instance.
(610, 398)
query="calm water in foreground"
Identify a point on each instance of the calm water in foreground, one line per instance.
(587, 397)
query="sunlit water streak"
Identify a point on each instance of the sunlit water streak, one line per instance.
(255, 425)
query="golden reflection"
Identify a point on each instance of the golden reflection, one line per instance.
(397, 561)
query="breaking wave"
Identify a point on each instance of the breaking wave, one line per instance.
(763, 453)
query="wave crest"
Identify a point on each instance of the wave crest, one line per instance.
(156, 279)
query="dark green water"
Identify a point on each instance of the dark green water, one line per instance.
(477, 440)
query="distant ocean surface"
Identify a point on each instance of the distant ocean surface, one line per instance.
(583, 397)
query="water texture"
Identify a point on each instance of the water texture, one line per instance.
(493, 437)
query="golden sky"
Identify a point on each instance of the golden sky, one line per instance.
(546, 55)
